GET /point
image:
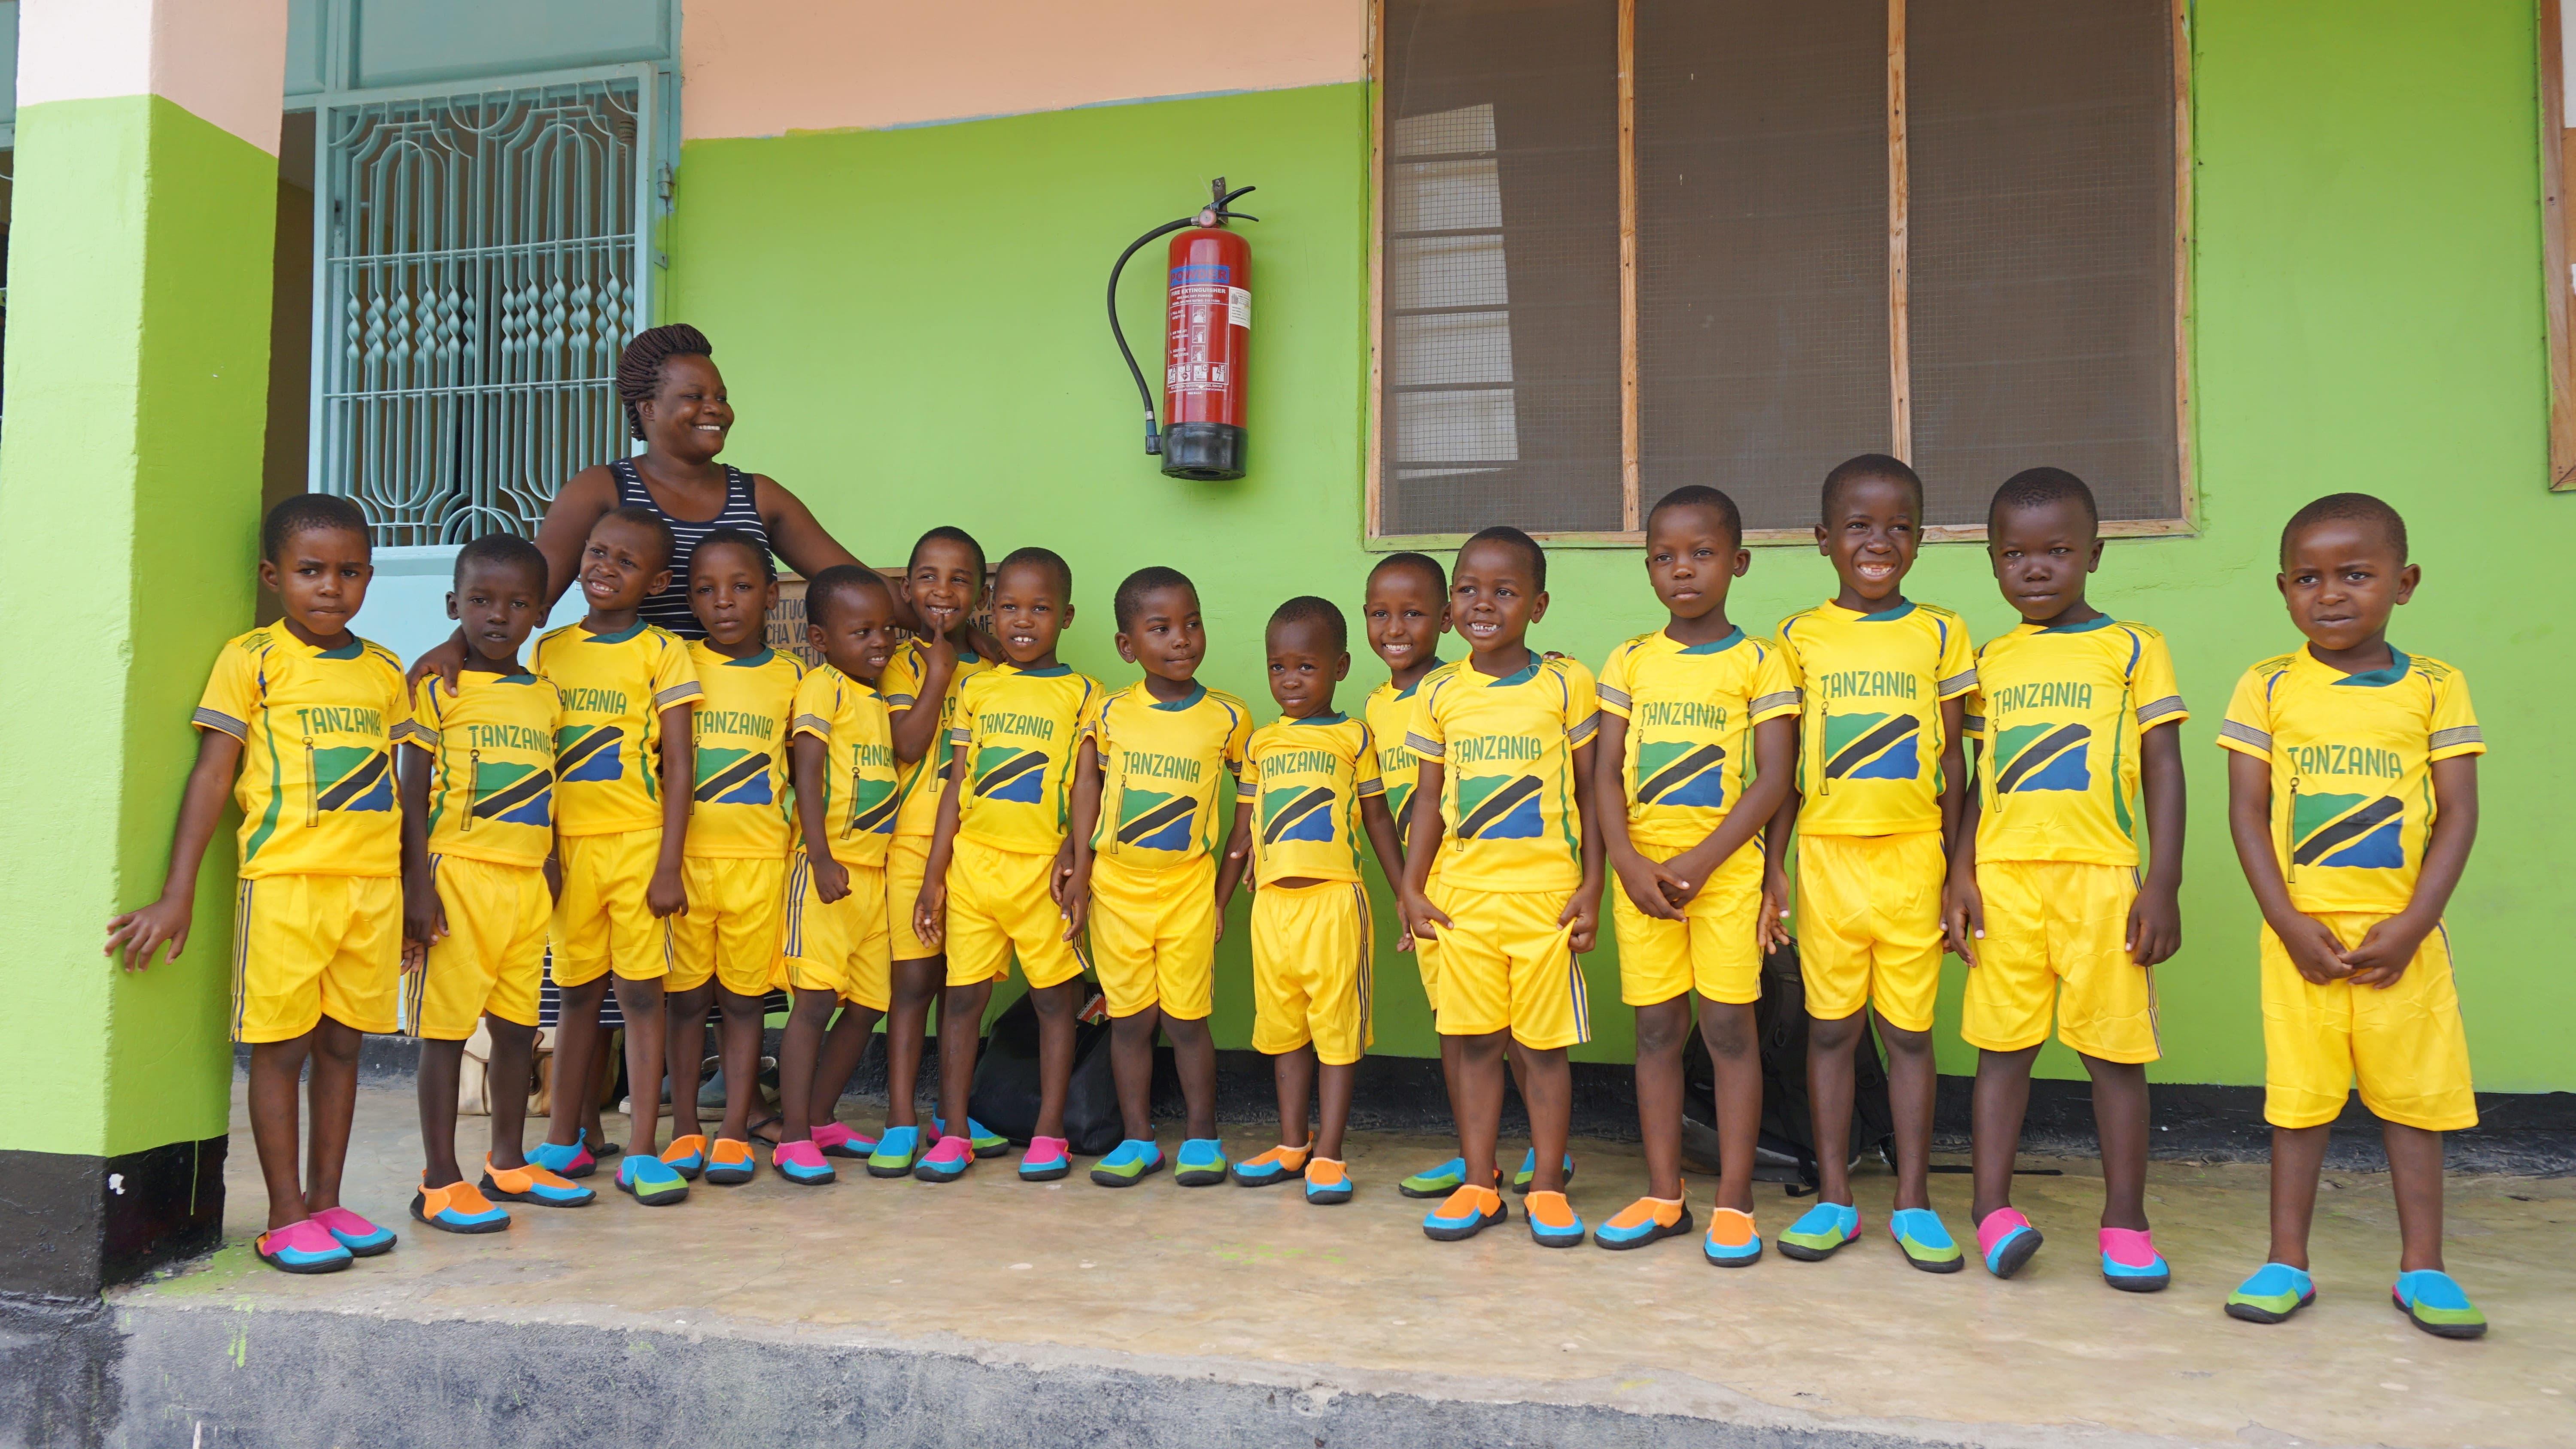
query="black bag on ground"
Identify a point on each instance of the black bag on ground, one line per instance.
(1005, 1093)
(1786, 1149)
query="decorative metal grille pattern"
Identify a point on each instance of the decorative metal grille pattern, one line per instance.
(479, 275)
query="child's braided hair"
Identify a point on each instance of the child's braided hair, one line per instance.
(639, 367)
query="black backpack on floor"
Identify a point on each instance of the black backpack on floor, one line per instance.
(1786, 1149)
(1005, 1093)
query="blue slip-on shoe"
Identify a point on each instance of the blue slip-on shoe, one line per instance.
(651, 1181)
(897, 1151)
(1128, 1164)
(2433, 1303)
(1820, 1232)
(569, 1160)
(1925, 1241)
(2276, 1291)
(1528, 1173)
(1200, 1162)
(984, 1140)
(1439, 1181)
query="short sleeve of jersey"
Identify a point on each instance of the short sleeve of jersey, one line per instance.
(232, 693)
(1582, 703)
(2455, 726)
(1424, 735)
(1958, 673)
(1247, 781)
(427, 719)
(961, 726)
(1366, 778)
(2152, 690)
(675, 679)
(901, 682)
(1614, 687)
(1788, 652)
(1775, 687)
(2247, 728)
(816, 698)
(1238, 741)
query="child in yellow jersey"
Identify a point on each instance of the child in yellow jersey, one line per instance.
(624, 774)
(1310, 785)
(1000, 878)
(945, 582)
(478, 774)
(2352, 796)
(1882, 680)
(1168, 750)
(2070, 717)
(306, 710)
(1698, 738)
(838, 951)
(1505, 796)
(724, 947)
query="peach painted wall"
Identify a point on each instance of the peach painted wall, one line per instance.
(766, 67)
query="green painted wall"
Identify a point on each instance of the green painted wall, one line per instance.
(910, 324)
(137, 379)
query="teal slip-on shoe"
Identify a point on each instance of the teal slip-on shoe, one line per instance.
(984, 1140)
(1820, 1232)
(2435, 1304)
(1200, 1162)
(2276, 1291)
(897, 1151)
(569, 1160)
(651, 1181)
(1464, 1215)
(1438, 1181)
(1128, 1164)
(1528, 1173)
(1925, 1241)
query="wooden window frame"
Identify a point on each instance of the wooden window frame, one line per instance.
(2555, 167)
(1377, 539)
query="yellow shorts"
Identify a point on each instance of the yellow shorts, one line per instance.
(2403, 1042)
(2057, 934)
(1153, 936)
(494, 953)
(907, 857)
(841, 946)
(1506, 963)
(731, 929)
(1715, 949)
(310, 946)
(1312, 950)
(998, 901)
(601, 920)
(1869, 925)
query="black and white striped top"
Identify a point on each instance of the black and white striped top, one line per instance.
(670, 608)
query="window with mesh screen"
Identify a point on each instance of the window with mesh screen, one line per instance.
(1944, 229)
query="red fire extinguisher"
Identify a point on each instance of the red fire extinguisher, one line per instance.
(1207, 337)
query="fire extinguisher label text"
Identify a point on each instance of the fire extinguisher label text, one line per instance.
(1239, 307)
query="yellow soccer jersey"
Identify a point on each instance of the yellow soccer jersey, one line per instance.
(316, 788)
(1167, 773)
(1389, 712)
(1022, 730)
(491, 742)
(740, 810)
(860, 797)
(1871, 687)
(2352, 755)
(1506, 747)
(2057, 715)
(919, 783)
(1304, 779)
(608, 750)
(1691, 710)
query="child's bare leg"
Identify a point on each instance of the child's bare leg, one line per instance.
(505, 1088)
(2415, 1172)
(1910, 1083)
(641, 1003)
(1453, 1051)
(1333, 1085)
(331, 1099)
(441, 1063)
(276, 1070)
(844, 1047)
(2120, 1123)
(916, 985)
(573, 1107)
(2002, 1099)
(1661, 1030)
(961, 1020)
(1056, 1005)
(1131, 1063)
(1547, 1085)
(2298, 1155)
(1294, 1074)
(1829, 1103)
(738, 1052)
(1476, 1106)
(1737, 1054)
(684, 1052)
(1194, 1052)
(800, 1052)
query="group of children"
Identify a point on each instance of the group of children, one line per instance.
(700, 822)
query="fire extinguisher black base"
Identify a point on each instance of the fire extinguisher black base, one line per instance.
(1205, 452)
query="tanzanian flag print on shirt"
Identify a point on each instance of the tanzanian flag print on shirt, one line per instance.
(1304, 779)
(1389, 712)
(1167, 769)
(740, 809)
(1021, 730)
(491, 743)
(2057, 714)
(2352, 782)
(608, 760)
(1691, 709)
(1871, 687)
(859, 794)
(1506, 747)
(316, 788)
(918, 784)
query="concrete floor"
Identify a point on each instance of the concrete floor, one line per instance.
(1258, 1288)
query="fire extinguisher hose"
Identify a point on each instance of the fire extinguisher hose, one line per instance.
(1215, 214)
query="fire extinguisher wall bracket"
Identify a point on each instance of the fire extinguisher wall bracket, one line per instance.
(1206, 342)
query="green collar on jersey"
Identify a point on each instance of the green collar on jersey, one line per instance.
(1046, 671)
(1733, 637)
(751, 661)
(620, 637)
(2375, 678)
(1884, 616)
(1197, 692)
(2098, 621)
(1336, 717)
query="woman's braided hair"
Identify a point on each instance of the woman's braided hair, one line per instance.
(639, 367)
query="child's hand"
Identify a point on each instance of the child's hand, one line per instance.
(1650, 884)
(1424, 919)
(554, 877)
(1583, 915)
(424, 917)
(2155, 927)
(667, 895)
(2313, 950)
(2386, 950)
(137, 934)
(930, 912)
(831, 879)
(1770, 927)
(1075, 904)
(1062, 876)
(415, 957)
(1963, 914)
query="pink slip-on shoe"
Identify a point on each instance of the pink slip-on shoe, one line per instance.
(1046, 1159)
(832, 1139)
(2007, 1240)
(946, 1162)
(2131, 1263)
